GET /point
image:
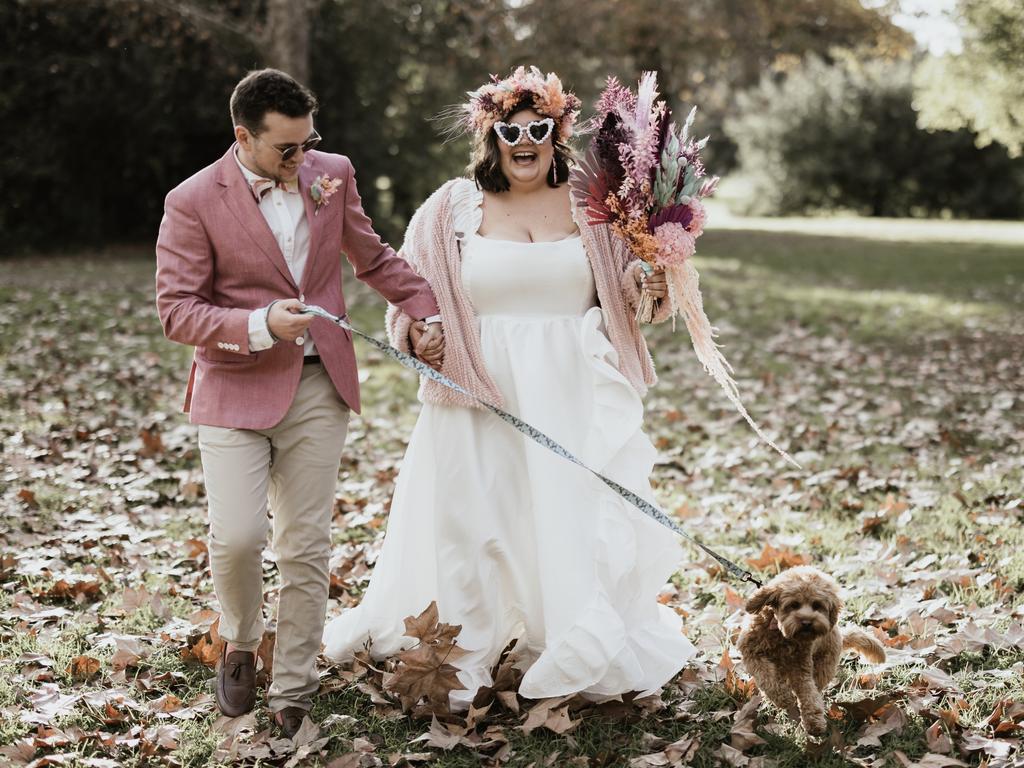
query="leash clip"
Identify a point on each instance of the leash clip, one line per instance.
(748, 576)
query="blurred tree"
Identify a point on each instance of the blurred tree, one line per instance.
(383, 71)
(287, 36)
(134, 92)
(844, 135)
(105, 106)
(982, 87)
(705, 51)
(278, 27)
(132, 97)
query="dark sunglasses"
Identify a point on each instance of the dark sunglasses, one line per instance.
(289, 152)
(536, 130)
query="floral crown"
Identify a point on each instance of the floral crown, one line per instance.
(492, 102)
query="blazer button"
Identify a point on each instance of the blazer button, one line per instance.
(299, 341)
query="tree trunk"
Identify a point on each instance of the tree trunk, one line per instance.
(287, 37)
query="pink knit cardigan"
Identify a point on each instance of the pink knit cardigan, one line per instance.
(432, 246)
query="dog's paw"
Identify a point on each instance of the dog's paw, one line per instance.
(814, 723)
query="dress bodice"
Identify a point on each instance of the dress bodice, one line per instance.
(507, 277)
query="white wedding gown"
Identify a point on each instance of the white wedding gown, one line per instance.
(511, 540)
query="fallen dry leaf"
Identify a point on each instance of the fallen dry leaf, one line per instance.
(774, 560)
(552, 714)
(84, 667)
(928, 761)
(424, 671)
(742, 736)
(893, 720)
(977, 742)
(130, 651)
(442, 736)
(866, 708)
(937, 739)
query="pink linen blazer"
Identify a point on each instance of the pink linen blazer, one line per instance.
(217, 260)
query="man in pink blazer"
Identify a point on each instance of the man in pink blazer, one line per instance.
(244, 244)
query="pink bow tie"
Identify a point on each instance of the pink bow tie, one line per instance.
(260, 187)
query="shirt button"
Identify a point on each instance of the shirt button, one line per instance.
(302, 298)
(300, 341)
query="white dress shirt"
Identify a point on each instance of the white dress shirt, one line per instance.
(286, 217)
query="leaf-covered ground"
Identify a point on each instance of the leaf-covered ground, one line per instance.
(890, 368)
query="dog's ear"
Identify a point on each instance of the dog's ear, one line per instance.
(834, 606)
(765, 596)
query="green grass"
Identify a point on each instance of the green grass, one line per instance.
(879, 361)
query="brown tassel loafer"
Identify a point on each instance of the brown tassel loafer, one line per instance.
(236, 682)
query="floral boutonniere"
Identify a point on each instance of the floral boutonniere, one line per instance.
(321, 189)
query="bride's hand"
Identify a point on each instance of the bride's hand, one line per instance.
(427, 343)
(654, 284)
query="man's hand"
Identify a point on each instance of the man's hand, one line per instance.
(427, 342)
(284, 320)
(654, 284)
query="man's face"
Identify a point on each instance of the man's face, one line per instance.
(262, 152)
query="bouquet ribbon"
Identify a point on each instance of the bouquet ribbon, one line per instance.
(537, 436)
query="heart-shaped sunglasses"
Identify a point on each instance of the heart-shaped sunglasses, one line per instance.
(536, 130)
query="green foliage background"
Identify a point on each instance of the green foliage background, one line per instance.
(103, 113)
(981, 87)
(844, 136)
(108, 104)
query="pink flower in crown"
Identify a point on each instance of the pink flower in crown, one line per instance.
(493, 101)
(675, 244)
(321, 189)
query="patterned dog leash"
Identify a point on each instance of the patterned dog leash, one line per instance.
(537, 436)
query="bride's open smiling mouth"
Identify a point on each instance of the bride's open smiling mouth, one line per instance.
(523, 157)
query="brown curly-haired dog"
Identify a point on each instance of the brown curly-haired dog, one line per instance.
(791, 643)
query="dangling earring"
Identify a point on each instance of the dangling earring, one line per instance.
(554, 170)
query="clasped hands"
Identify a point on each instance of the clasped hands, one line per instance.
(427, 342)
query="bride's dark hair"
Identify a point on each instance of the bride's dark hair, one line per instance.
(485, 162)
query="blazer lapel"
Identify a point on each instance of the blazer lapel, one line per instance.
(308, 173)
(240, 201)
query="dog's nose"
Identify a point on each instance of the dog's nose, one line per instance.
(806, 624)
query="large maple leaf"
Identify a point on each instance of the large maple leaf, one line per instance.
(424, 671)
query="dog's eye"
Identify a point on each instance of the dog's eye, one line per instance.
(792, 606)
(817, 606)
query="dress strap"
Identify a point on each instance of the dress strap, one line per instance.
(467, 208)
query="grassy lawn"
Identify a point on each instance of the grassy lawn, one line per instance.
(891, 368)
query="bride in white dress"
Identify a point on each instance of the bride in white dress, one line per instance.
(511, 540)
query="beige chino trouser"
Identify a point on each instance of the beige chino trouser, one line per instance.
(295, 465)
